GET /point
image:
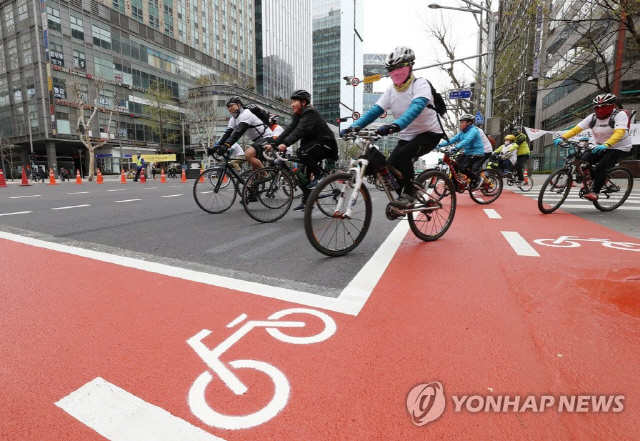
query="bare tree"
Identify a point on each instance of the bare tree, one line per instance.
(203, 119)
(86, 94)
(7, 153)
(164, 115)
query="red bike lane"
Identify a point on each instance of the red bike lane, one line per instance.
(466, 311)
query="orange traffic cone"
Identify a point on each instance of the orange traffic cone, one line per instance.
(99, 180)
(143, 176)
(526, 176)
(3, 183)
(163, 178)
(25, 181)
(202, 174)
(184, 177)
(52, 178)
(78, 177)
(123, 177)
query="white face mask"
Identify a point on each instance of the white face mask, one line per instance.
(507, 142)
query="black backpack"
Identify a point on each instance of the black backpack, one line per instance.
(612, 119)
(259, 112)
(438, 102)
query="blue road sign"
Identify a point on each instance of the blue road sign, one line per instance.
(479, 118)
(459, 94)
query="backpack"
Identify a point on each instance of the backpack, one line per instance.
(491, 140)
(438, 102)
(612, 119)
(258, 111)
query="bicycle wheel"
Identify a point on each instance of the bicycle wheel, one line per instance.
(616, 189)
(218, 191)
(267, 198)
(527, 184)
(554, 191)
(338, 234)
(328, 198)
(489, 190)
(433, 190)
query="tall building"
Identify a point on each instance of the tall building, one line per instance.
(337, 53)
(128, 45)
(373, 65)
(284, 53)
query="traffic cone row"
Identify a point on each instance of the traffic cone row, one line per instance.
(78, 178)
(3, 183)
(52, 178)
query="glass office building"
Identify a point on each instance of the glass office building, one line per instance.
(284, 53)
(337, 53)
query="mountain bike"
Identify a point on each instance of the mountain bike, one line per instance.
(615, 191)
(511, 176)
(341, 222)
(489, 189)
(216, 188)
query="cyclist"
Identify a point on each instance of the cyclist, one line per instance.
(411, 101)
(469, 141)
(584, 141)
(236, 153)
(274, 126)
(488, 151)
(317, 141)
(507, 158)
(243, 122)
(611, 142)
(521, 147)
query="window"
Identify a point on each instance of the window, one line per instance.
(79, 59)
(53, 18)
(77, 30)
(31, 88)
(136, 9)
(59, 88)
(16, 88)
(27, 57)
(13, 54)
(8, 19)
(118, 5)
(23, 13)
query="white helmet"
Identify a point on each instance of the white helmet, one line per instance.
(467, 117)
(401, 54)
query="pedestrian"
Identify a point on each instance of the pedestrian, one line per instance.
(62, 174)
(43, 174)
(154, 170)
(139, 166)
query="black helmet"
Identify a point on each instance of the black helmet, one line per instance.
(517, 129)
(234, 100)
(301, 94)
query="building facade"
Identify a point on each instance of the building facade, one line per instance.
(284, 52)
(48, 50)
(337, 53)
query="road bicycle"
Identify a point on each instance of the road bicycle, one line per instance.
(615, 191)
(340, 223)
(217, 187)
(226, 371)
(489, 189)
(574, 242)
(511, 176)
(270, 191)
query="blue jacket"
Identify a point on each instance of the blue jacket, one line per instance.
(469, 140)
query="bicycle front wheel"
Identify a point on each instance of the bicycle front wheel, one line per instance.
(554, 191)
(331, 230)
(434, 192)
(489, 190)
(217, 192)
(267, 194)
(616, 189)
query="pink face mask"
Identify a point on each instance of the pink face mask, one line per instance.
(399, 76)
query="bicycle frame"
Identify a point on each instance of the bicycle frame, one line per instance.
(226, 168)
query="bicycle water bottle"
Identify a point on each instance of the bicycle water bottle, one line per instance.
(301, 177)
(389, 180)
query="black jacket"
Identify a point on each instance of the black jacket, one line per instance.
(309, 127)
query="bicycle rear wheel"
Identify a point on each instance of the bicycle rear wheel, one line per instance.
(328, 229)
(267, 198)
(554, 191)
(489, 190)
(218, 191)
(616, 189)
(527, 184)
(433, 189)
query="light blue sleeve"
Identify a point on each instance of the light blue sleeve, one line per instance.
(414, 110)
(369, 117)
(452, 140)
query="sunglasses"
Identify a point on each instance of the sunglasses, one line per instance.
(397, 66)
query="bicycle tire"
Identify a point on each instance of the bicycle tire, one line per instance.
(210, 196)
(267, 201)
(334, 235)
(489, 190)
(526, 185)
(618, 179)
(432, 225)
(554, 191)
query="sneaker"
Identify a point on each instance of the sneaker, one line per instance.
(315, 182)
(591, 196)
(404, 201)
(300, 207)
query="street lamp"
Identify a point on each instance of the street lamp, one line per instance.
(437, 6)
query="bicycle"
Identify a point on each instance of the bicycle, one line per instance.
(197, 393)
(573, 242)
(342, 222)
(511, 176)
(216, 188)
(489, 190)
(270, 191)
(615, 191)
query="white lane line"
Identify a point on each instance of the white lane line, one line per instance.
(119, 189)
(171, 196)
(20, 197)
(72, 206)
(350, 301)
(176, 186)
(149, 188)
(129, 200)
(16, 212)
(79, 192)
(519, 244)
(493, 214)
(121, 416)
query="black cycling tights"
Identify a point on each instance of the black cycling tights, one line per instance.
(602, 162)
(405, 152)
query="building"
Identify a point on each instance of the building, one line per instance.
(337, 53)
(373, 64)
(284, 53)
(127, 45)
